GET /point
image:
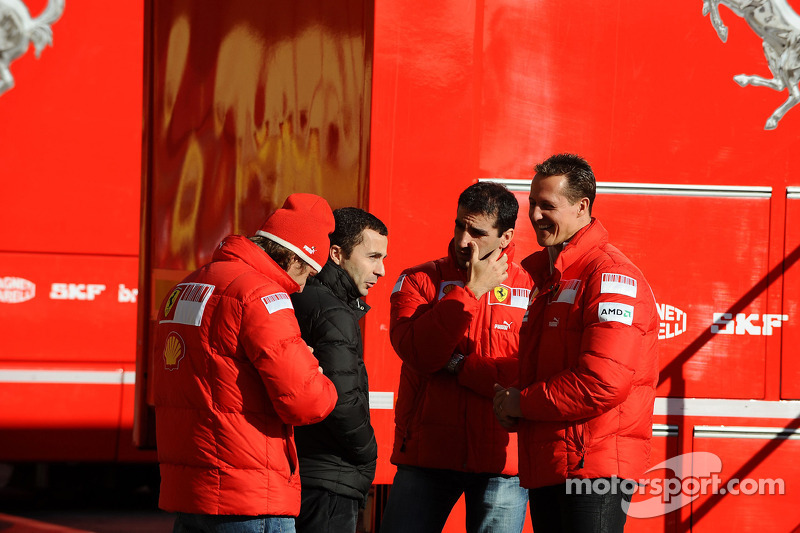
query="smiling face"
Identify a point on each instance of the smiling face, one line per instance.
(554, 218)
(365, 263)
(478, 228)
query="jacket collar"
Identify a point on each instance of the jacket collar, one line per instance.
(240, 248)
(341, 285)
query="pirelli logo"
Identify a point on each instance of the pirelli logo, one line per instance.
(276, 302)
(618, 284)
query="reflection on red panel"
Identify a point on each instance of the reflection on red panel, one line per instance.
(664, 447)
(762, 467)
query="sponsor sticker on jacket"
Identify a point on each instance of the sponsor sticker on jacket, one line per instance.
(447, 286)
(510, 296)
(615, 312)
(618, 284)
(186, 303)
(566, 291)
(174, 350)
(276, 302)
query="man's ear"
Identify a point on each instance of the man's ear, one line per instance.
(583, 207)
(506, 237)
(336, 254)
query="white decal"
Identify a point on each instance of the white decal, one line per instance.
(742, 324)
(191, 302)
(615, 312)
(618, 284)
(126, 295)
(277, 301)
(673, 321)
(520, 298)
(447, 286)
(505, 326)
(567, 290)
(16, 290)
(553, 323)
(75, 291)
(399, 284)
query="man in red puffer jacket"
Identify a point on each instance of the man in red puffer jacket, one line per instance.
(455, 325)
(232, 376)
(588, 362)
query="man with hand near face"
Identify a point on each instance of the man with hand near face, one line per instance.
(583, 407)
(455, 324)
(338, 455)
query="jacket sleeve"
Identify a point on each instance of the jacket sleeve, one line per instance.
(335, 338)
(300, 394)
(615, 321)
(481, 373)
(425, 331)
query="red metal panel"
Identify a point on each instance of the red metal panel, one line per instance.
(790, 363)
(82, 308)
(71, 135)
(755, 460)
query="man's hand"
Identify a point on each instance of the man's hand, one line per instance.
(506, 406)
(483, 275)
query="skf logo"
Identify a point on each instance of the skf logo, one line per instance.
(75, 291)
(310, 250)
(173, 298)
(742, 324)
(505, 326)
(673, 321)
(501, 293)
(16, 290)
(174, 350)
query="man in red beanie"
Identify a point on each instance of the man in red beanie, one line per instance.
(232, 376)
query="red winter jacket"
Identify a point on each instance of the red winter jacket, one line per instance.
(443, 420)
(588, 365)
(231, 377)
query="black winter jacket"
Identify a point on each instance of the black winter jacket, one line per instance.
(339, 453)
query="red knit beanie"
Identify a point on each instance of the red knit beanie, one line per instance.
(302, 225)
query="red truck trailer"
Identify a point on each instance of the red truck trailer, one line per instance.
(684, 110)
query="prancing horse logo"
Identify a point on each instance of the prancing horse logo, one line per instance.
(18, 30)
(778, 26)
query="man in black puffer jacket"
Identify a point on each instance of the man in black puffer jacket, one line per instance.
(338, 455)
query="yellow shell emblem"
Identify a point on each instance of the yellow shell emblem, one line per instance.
(501, 293)
(174, 350)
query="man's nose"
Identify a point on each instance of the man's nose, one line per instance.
(381, 270)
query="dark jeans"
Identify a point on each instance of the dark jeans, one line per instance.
(421, 499)
(323, 511)
(590, 511)
(209, 523)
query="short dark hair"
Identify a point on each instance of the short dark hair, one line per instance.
(281, 255)
(350, 225)
(491, 199)
(580, 181)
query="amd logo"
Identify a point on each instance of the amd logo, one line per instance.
(742, 324)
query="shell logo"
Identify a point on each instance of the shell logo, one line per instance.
(174, 350)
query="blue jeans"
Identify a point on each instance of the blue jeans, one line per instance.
(323, 511)
(421, 499)
(555, 511)
(210, 523)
